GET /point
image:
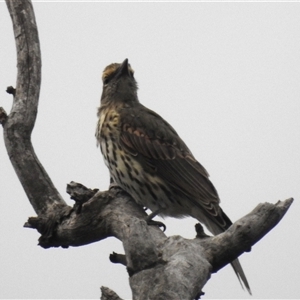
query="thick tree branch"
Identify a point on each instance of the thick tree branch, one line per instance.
(19, 124)
(159, 266)
(244, 233)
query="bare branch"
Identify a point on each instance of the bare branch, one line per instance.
(11, 90)
(244, 233)
(117, 258)
(108, 213)
(19, 124)
(159, 267)
(108, 294)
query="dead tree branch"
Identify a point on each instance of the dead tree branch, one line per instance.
(108, 294)
(18, 126)
(159, 267)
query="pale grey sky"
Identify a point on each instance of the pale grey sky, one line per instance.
(225, 75)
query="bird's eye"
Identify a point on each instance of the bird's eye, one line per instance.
(105, 81)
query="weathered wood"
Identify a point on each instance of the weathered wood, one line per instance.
(244, 233)
(3, 116)
(108, 294)
(159, 267)
(19, 124)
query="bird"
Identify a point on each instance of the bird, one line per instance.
(148, 160)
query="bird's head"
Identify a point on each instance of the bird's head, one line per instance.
(119, 84)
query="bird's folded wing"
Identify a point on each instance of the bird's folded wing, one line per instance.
(146, 133)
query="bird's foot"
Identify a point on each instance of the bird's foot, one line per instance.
(155, 223)
(113, 185)
(200, 231)
(199, 295)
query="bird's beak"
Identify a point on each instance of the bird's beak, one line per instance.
(124, 69)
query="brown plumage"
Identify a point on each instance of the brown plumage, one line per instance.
(148, 159)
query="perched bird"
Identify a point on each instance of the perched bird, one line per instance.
(147, 158)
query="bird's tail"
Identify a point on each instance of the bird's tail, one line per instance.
(215, 228)
(240, 274)
(236, 263)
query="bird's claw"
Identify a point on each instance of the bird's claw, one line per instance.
(156, 223)
(113, 185)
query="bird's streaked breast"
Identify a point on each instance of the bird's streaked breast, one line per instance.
(126, 170)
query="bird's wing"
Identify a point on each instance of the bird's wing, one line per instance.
(143, 132)
(147, 133)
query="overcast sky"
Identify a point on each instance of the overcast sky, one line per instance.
(225, 75)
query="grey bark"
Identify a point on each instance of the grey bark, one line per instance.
(159, 267)
(108, 294)
(19, 124)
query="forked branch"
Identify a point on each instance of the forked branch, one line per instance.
(159, 267)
